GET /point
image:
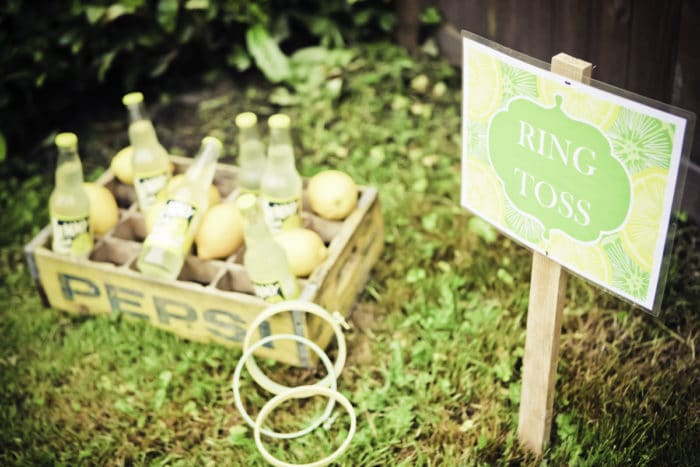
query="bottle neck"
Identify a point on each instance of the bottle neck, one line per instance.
(137, 112)
(280, 137)
(204, 166)
(248, 134)
(255, 229)
(69, 170)
(142, 133)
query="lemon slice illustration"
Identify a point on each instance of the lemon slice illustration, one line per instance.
(579, 105)
(484, 191)
(627, 275)
(524, 226)
(580, 257)
(517, 82)
(641, 141)
(641, 231)
(484, 78)
(477, 140)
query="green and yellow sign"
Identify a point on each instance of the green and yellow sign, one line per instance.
(584, 176)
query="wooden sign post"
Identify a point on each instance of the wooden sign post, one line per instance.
(584, 176)
(544, 315)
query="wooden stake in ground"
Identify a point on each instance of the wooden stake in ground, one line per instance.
(547, 291)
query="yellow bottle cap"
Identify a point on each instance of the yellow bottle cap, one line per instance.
(246, 120)
(278, 121)
(246, 201)
(207, 140)
(66, 140)
(132, 98)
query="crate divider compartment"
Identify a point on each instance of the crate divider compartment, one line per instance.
(131, 228)
(114, 251)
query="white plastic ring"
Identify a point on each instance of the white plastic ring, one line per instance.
(235, 383)
(304, 392)
(294, 305)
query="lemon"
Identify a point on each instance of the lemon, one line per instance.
(641, 231)
(213, 195)
(305, 249)
(121, 165)
(104, 212)
(122, 168)
(484, 86)
(484, 192)
(578, 104)
(220, 233)
(585, 258)
(332, 194)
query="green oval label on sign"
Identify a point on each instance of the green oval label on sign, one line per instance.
(559, 170)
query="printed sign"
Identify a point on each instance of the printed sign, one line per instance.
(582, 175)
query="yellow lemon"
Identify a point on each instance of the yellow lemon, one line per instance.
(104, 212)
(305, 249)
(581, 257)
(121, 165)
(332, 194)
(641, 231)
(484, 86)
(484, 191)
(221, 232)
(213, 195)
(122, 168)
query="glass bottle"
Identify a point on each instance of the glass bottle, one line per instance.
(165, 248)
(150, 162)
(281, 185)
(251, 152)
(69, 205)
(265, 260)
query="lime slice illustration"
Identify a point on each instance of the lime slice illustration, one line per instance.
(477, 140)
(82, 244)
(581, 257)
(517, 82)
(641, 141)
(483, 86)
(641, 231)
(579, 105)
(484, 191)
(627, 276)
(524, 226)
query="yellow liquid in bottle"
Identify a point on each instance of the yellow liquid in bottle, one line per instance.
(164, 250)
(69, 209)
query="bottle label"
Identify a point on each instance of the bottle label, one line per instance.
(282, 213)
(275, 291)
(71, 236)
(171, 230)
(148, 186)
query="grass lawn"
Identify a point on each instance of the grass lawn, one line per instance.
(436, 346)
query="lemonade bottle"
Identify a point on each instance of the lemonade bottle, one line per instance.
(264, 259)
(151, 164)
(171, 237)
(281, 185)
(251, 152)
(69, 205)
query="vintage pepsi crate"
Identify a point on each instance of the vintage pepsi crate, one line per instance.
(211, 300)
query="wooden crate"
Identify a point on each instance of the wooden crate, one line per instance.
(211, 300)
